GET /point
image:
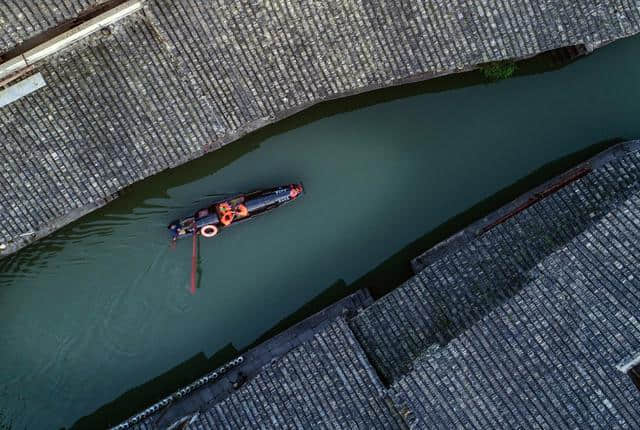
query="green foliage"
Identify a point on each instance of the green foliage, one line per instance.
(498, 70)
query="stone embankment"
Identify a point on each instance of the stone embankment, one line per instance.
(179, 78)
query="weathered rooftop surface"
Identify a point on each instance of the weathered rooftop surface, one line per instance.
(262, 355)
(458, 288)
(23, 19)
(547, 356)
(533, 323)
(326, 382)
(184, 77)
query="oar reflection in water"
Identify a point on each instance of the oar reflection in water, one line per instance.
(194, 262)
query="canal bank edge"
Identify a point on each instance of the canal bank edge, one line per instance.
(479, 227)
(218, 384)
(541, 300)
(179, 79)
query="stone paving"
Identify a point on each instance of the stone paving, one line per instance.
(184, 77)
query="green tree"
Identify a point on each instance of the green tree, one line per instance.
(498, 70)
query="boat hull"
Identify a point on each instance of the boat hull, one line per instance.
(224, 213)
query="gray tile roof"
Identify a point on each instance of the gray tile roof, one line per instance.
(547, 356)
(325, 383)
(254, 360)
(184, 77)
(23, 19)
(449, 295)
(524, 326)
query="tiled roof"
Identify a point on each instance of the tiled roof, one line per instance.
(454, 291)
(525, 326)
(325, 383)
(184, 77)
(23, 19)
(547, 356)
(253, 360)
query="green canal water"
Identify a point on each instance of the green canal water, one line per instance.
(102, 307)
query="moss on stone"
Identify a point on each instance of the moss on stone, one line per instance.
(498, 70)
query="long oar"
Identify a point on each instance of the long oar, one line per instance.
(194, 261)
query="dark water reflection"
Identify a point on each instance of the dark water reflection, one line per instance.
(103, 305)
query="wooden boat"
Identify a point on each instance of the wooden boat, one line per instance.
(224, 213)
(219, 215)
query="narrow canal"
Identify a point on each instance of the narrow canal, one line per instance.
(102, 306)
